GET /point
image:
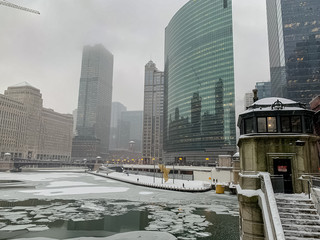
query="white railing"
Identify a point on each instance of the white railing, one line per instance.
(270, 212)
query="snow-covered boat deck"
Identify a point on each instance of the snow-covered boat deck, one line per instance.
(154, 182)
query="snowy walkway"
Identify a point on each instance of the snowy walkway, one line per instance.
(148, 181)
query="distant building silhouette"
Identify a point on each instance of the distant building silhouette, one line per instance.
(130, 129)
(153, 113)
(117, 109)
(27, 130)
(264, 89)
(94, 102)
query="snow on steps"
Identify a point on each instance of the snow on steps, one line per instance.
(299, 217)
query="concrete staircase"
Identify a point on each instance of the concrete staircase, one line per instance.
(299, 217)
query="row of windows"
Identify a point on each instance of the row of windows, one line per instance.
(288, 124)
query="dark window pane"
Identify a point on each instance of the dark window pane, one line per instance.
(262, 124)
(225, 3)
(296, 123)
(309, 125)
(272, 124)
(285, 124)
(248, 124)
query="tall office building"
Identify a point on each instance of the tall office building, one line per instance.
(248, 100)
(130, 130)
(153, 113)
(94, 102)
(199, 83)
(117, 109)
(294, 43)
(264, 89)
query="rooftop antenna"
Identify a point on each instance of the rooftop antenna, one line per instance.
(8, 4)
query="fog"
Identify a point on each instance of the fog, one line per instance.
(45, 50)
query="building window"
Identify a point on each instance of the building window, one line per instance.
(291, 124)
(285, 124)
(262, 124)
(296, 124)
(267, 124)
(309, 124)
(225, 3)
(248, 125)
(272, 124)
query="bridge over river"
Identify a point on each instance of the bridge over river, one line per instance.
(18, 163)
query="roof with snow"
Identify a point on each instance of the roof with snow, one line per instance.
(275, 103)
(23, 84)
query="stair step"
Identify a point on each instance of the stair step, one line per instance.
(300, 221)
(299, 227)
(289, 198)
(299, 238)
(297, 210)
(301, 234)
(296, 205)
(289, 217)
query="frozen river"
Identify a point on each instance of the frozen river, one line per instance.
(66, 205)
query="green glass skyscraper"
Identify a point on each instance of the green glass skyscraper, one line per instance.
(199, 83)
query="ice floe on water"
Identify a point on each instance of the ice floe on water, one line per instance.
(75, 190)
(67, 184)
(145, 193)
(38, 177)
(179, 220)
(58, 203)
(183, 221)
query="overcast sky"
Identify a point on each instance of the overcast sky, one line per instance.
(45, 50)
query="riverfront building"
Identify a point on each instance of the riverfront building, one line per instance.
(199, 83)
(153, 113)
(94, 102)
(294, 45)
(27, 130)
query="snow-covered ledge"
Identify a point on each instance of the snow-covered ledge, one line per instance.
(271, 206)
(272, 225)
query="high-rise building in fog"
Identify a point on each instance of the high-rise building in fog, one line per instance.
(130, 130)
(264, 89)
(117, 109)
(294, 43)
(199, 83)
(94, 102)
(248, 100)
(153, 113)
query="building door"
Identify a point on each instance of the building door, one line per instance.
(283, 167)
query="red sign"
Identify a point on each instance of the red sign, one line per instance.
(282, 169)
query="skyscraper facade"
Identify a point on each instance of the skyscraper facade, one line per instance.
(264, 89)
(199, 83)
(117, 109)
(95, 98)
(294, 46)
(248, 100)
(153, 113)
(130, 130)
